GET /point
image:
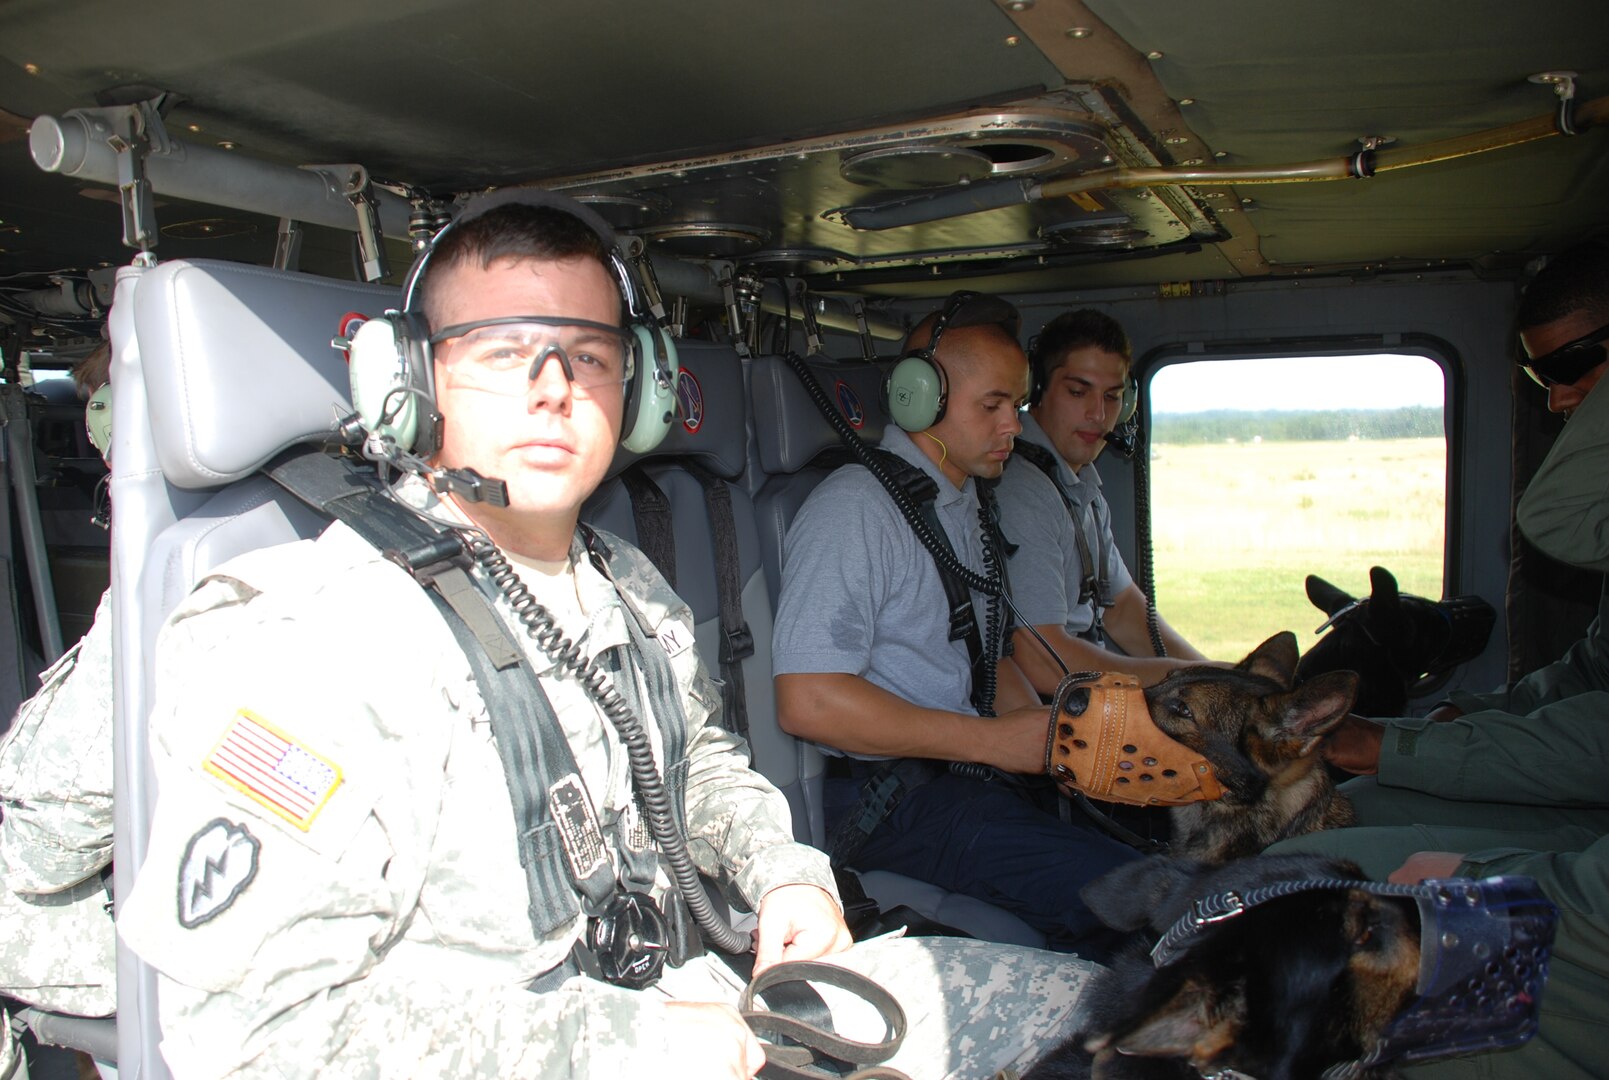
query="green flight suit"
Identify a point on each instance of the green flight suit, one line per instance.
(1517, 784)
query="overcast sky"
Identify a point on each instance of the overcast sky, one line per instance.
(1385, 381)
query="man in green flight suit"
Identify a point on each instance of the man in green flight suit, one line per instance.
(1512, 782)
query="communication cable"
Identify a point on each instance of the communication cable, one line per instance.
(543, 629)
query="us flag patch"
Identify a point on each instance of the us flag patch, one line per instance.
(263, 762)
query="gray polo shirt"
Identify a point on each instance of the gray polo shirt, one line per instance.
(861, 596)
(1047, 567)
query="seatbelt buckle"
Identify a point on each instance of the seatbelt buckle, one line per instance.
(737, 644)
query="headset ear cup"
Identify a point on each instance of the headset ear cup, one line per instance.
(1131, 400)
(914, 393)
(377, 368)
(1036, 378)
(650, 404)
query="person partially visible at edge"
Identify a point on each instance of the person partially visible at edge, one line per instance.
(865, 665)
(1512, 782)
(1070, 579)
(393, 930)
(58, 949)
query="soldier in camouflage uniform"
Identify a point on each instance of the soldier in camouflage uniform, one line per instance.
(373, 918)
(57, 949)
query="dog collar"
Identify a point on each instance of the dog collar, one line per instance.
(1111, 749)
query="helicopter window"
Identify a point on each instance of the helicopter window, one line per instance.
(1267, 469)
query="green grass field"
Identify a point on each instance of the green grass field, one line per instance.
(1238, 527)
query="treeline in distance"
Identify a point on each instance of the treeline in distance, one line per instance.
(1281, 425)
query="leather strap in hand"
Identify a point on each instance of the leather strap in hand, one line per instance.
(816, 1040)
(1112, 750)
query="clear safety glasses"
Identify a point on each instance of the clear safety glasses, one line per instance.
(1565, 365)
(506, 355)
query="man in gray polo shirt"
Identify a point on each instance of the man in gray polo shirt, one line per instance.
(1066, 572)
(866, 666)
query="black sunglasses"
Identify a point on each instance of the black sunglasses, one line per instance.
(1566, 364)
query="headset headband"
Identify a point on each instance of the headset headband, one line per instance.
(968, 308)
(480, 205)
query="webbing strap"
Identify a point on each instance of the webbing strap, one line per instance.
(340, 488)
(659, 677)
(737, 641)
(1096, 584)
(924, 493)
(535, 758)
(650, 513)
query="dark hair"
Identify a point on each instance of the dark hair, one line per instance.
(1576, 279)
(514, 231)
(1075, 330)
(93, 371)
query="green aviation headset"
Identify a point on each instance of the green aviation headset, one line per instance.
(917, 390)
(392, 370)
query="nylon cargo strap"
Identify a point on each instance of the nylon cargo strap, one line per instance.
(650, 513)
(1096, 585)
(737, 641)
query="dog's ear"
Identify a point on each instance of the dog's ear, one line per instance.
(1386, 617)
(1123, 898)
(1326, 597)
(1198, 1023)
(1317, 706)
(1274, 659)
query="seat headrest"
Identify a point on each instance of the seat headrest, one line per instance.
(238, 363)
(710, 423)
(790, 431)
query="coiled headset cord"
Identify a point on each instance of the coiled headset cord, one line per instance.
(541, 627)
(994, 628)
(1142, 514)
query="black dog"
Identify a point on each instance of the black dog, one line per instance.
(1282, 992)
(1399, 644)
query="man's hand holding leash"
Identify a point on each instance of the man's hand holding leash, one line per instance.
(798, 922)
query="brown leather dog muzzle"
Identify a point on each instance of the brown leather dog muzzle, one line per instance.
(1113, 750)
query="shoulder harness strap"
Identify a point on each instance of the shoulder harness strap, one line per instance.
(1096, 582)
(737, 641)
(924, 492)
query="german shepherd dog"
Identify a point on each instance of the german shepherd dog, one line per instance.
(1282, 992)
(1261, 733)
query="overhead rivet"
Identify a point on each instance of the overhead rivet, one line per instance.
(1154, 54)
(1078, 32)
